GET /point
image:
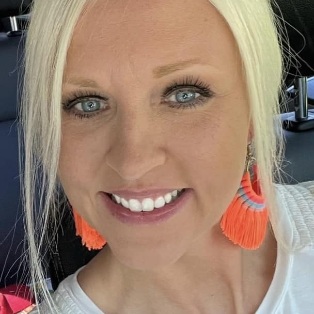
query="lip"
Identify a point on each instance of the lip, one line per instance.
(158, 215)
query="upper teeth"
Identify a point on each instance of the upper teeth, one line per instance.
(147, 204)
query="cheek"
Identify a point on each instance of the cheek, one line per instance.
(80, 160)
(215, 142)
(212, 151)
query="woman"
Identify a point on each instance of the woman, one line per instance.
(148, 115)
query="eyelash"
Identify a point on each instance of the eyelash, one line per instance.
(78, 96)
(188, 83)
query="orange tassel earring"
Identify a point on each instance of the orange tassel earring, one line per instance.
(245, 221)
(90, 237)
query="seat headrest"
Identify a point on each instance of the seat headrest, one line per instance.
(14, 7)
(298, 15)
(11, 50)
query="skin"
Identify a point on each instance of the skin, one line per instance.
(183, 265)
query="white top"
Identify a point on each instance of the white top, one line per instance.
(292, 288)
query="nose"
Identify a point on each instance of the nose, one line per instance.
(137, 145)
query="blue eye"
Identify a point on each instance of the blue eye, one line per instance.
(89, 105)
(184, 96)
(187, 93)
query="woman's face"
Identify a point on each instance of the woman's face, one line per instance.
(155, 99)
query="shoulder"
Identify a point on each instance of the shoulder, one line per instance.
(69, 298)
(62, 301)
(61, 304)
(293, 219)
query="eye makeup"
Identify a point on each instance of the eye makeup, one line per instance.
(195, 88)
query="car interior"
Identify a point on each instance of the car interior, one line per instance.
(67, 254)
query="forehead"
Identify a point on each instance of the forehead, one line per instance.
(140, 34)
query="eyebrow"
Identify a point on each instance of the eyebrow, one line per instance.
(82, 82)
(158, 72)
(170, 68)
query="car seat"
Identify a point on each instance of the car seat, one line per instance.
(11, 216)
(67, 255)
(299, 124)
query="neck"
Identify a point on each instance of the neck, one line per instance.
(215, 276)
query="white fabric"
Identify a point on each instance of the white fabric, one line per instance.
(69, 298)
(293, 222)
(292, 288)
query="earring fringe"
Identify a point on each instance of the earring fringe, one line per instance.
(245, 221)
(90, 237)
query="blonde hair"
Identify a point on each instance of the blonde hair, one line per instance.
(50, 31)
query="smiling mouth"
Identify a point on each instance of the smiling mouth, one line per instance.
(152, 215)
(147, 204)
